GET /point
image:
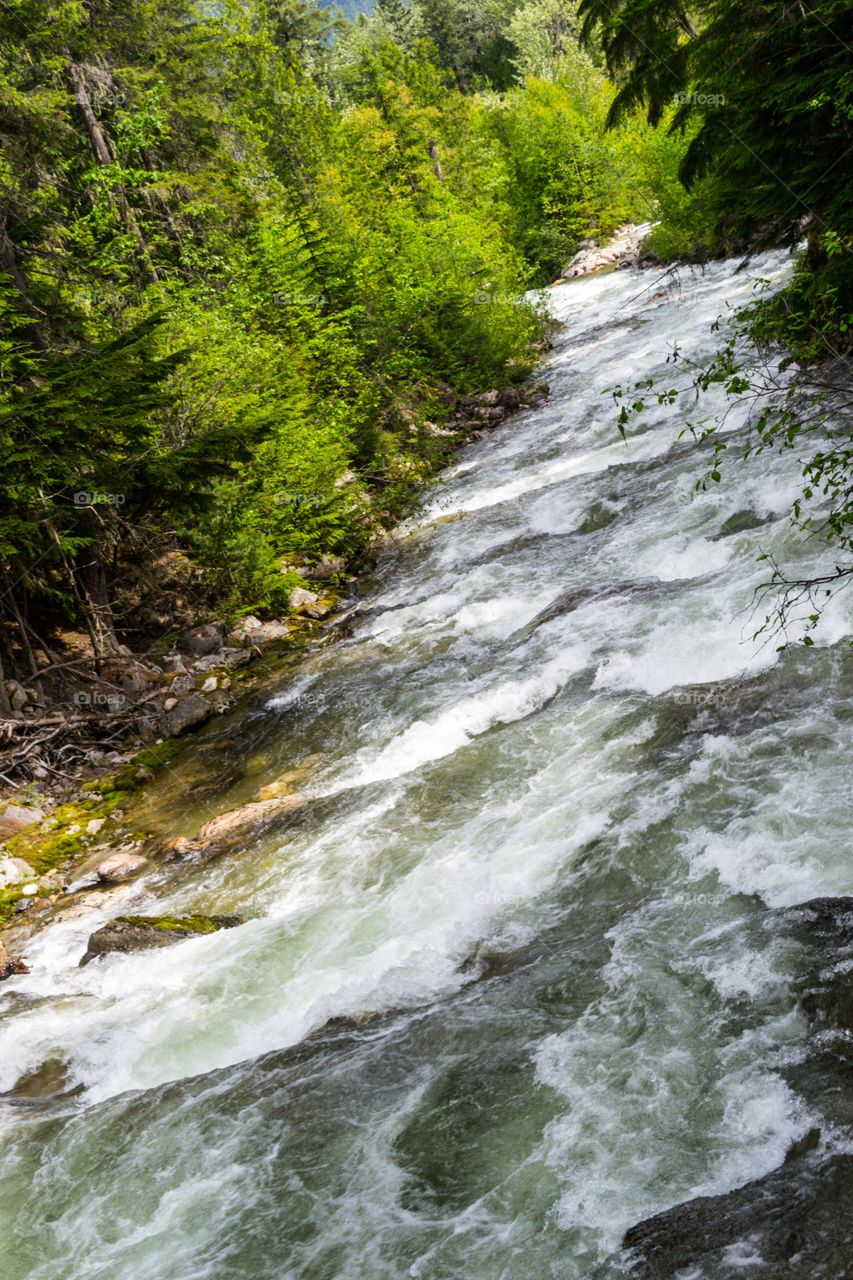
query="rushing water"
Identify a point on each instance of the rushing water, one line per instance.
(543, 844)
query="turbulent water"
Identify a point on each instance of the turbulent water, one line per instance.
(556, 789)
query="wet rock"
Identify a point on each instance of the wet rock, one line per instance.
(740, 522)
(128, 934)
(17, 817)
(120, 866)
(346, 1025)
(248, 819)
(14, 871)
(50, 1080)
(188, 714)
(795, 1222)
(201, 641)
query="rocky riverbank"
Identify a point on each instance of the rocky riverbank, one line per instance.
(623, 249)
(69, 839)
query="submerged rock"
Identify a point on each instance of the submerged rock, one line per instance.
(127, 934)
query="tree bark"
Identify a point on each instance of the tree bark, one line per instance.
(105, 154)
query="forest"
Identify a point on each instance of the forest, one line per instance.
(250, 249)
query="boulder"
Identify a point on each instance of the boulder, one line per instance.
(181, 685)
(299, 598)
(248, 819)
(124, 864)
(252, 632)
(188, 714)
(17, 694)
(128, 934)
(14, 871)
(326, 568)
(15, 817)
(201, 641)
(795, 1221)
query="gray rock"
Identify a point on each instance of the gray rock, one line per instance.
(201, 641)
(299, 598)
(188, 714)
(15, 871)
(181, 685)
(16, 817)
(17, 695)
(326, 568)
(124, 864)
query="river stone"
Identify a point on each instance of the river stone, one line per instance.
(16, 817)
(299, 598)
(127, 934)
(14, 871)
(249, 818)
(188, 714)
(122, 865)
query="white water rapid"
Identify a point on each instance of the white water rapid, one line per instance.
(542, 845)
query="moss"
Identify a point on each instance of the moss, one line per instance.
(177, 924)
(161, 753)
(8, 898)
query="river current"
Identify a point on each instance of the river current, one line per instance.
(555, 790)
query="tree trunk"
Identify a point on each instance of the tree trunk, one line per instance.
(105, 154)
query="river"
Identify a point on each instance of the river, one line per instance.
(555, 790)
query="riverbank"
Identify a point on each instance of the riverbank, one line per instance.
(67, 839)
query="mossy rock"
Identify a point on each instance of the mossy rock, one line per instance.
(127, 934)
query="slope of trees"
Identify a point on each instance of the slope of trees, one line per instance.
(243, 251)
